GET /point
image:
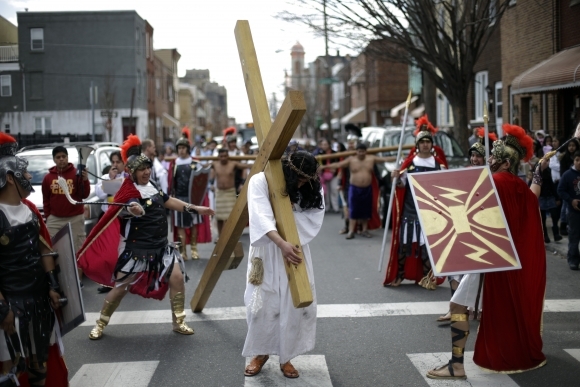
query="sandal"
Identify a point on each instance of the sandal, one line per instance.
(395, 283)
(255, 366)
(366, 234)
(289, 371)
(451, 375)
(349, 236)
(343, 230)
(446, 317)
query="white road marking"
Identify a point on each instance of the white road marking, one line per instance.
(575, 353)
(476, 377)
(324, 311)
(312, 369)
(130, 374)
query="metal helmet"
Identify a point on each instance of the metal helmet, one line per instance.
(132, 156)
(424, 130)
(12, 164)
(514, 147)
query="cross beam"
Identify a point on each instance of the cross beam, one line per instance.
(273, 139)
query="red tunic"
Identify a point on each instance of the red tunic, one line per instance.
(509, 338)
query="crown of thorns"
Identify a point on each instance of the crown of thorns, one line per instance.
(299, 171)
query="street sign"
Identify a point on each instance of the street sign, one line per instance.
(328, 81)
(105, 113)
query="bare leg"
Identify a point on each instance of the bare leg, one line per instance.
(351, 228)
(365, 225)
(112, 301)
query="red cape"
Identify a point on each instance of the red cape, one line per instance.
(57, 373)
(413, 262)
(203, 228)
(509, 337)
(99, 254)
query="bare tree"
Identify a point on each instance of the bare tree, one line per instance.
(108, 103)
(445, 38)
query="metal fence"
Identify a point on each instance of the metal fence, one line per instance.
(37, 138)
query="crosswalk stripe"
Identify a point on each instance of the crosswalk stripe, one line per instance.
(312, 369)
(575, 353)
(324, 311)
(130, 374)
(476, 377)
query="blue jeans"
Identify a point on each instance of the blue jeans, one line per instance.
(573, 237)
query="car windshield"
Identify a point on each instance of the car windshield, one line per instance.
(38, 166)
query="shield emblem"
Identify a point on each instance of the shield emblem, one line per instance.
(463, 222)
(198, 183)
(73, 313)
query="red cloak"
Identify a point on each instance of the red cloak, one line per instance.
(413, 261)
(509, 338)
(98, 255)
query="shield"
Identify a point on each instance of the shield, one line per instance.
(73, 313)
(463, 222)
(198, 184)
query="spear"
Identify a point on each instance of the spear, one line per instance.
(394, 184)
(64, 186)
(486, 130)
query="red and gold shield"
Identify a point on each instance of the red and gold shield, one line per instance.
(463, 222)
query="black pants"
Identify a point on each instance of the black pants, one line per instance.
(555, 215)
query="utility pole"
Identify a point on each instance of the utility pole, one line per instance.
(328, 75)
(93, 92)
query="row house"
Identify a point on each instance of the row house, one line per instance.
(166, 92)
(192, 105)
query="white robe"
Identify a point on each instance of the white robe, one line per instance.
(278, 328)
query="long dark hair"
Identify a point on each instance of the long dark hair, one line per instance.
(297, 165)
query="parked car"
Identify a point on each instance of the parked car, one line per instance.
(377, 137)
(40, 161)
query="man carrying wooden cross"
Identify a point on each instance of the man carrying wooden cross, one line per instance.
(275, 326)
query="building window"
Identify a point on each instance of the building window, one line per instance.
(170, 93)
(36, 85)
(138, 84)
(480, 94)
(43, 125)
(5, 85)
(158, 87)
(492, 12)
(138, 40)
(498, 104)
(37, 39)
(147, 37)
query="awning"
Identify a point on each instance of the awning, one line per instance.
(170, 121)
(356, 116)
(560, 71)
(397, 109)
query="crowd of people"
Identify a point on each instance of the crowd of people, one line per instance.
(129, 251)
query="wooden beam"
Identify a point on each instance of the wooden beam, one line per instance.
(288, 118)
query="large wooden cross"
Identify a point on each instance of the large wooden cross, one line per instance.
(273, 139)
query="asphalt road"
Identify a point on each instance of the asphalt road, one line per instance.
(358, 351)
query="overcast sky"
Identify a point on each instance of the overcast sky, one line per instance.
(203, 33)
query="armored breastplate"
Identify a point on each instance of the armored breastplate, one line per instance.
(150, 230)
(21, 271)
(182, 176)
(409, 205)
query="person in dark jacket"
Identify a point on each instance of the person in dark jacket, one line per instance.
(566, 160)
(569, 191)
(549, 203)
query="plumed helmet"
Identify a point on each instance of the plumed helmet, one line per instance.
(132, 156)
(12, 164)
(479, 146)
(515, 146)
(424, 129)
(184, 139)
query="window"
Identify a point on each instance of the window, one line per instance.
(5, 85)
(147, 38)
(37, 39)
(138, 40)
(498, 105)
(158, 87)
(170, 93)
(43, 125)
(480, 94)
(138, 84)
(492, 12)
(36, 85)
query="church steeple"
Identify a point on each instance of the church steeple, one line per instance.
(297, 56)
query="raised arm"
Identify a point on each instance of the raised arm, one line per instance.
(340, 164)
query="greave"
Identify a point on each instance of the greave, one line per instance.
(178, 310)
(193, 242)
(106, 313)
(182, 239)
(459, 334)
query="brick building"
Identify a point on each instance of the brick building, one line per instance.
(540, 42)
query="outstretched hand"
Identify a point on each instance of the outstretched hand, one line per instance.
(204, 210)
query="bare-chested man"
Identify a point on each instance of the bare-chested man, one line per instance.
(223, 173)
(360, 193)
